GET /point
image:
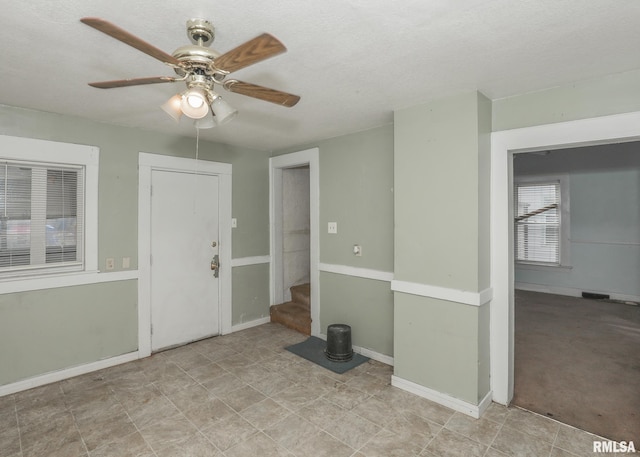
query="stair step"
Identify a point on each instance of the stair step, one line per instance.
(294, 315)
(301, 293)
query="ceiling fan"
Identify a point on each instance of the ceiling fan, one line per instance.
(201, 69)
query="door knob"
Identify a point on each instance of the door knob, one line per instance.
(215, 265)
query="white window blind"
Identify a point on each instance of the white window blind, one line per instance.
(537, 223)
(41, 217)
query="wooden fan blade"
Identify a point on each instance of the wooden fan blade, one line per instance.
(132, 82)
(262, 93)
(253, 51)
(132, 40)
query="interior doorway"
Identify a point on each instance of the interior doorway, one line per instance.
(294, 216)
(601, 130)
(296, 240)
(577, 233)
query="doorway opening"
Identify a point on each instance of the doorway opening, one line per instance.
(294, 208)
(577, 260)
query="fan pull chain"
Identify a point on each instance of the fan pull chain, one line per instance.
(195, 171)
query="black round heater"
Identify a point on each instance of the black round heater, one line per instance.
(339, 343)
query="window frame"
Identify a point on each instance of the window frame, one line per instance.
(564, 241)
(51, 154)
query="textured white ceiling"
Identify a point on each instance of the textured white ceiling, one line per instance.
(353, 62)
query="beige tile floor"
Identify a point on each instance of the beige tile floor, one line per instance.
(244, 395)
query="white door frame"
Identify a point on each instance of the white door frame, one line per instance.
(586, 132)
(308, 157)
(146, 164)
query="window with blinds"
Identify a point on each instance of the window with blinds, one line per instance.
(41, 217)
(537, 223)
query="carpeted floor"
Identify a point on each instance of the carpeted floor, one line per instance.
(578, 361)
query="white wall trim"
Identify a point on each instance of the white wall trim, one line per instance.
(309, 157)
(573, 292)
(585, 132)
(475, 411)
(66, 373)
(250, 324)
(386, 359)
(146, 164)
(358, 272)
(64, 280)
(443, 293)
(246, 261)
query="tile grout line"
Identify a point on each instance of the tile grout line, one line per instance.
(75, 422)
(495, 437)
(129, 416)
(208, 392)
(15, 412)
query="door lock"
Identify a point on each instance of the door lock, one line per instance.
(215, 265)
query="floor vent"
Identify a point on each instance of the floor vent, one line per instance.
(595, 296)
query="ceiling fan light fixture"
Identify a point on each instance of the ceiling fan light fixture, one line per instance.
(172, 107)
(206, 122)
(194, 103)
(222, 110)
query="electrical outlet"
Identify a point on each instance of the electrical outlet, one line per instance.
(332, 227)
(110, 263)
(357, 250)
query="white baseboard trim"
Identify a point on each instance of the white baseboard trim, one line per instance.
(67, 373)
(250, 324)
(386, 359)
(443, 293)
(246, 261)
(572, 292)
(456, 404)
(364, 273)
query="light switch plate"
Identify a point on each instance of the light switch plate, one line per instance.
(332, 227)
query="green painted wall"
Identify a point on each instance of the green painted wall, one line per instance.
(441, 165)
(250, 293)
(611, 94)
(438, 195)
(118, 237)
(364, 304)
(356, 191)
(45, 330)
(436, 345)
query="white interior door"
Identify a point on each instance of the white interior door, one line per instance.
(184, 240)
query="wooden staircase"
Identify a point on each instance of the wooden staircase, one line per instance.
(295, 314)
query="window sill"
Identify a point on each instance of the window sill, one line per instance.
(541, 267)
(53, 281)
